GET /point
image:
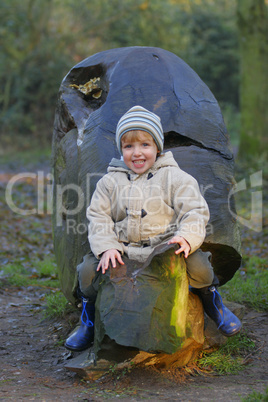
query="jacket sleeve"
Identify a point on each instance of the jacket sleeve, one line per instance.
(192, 212)
(101, 234)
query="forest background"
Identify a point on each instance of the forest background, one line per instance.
(42, 39)
(226, 43)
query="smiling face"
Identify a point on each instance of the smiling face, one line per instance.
(139, 150)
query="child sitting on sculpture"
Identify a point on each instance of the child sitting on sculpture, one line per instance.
(144, 200)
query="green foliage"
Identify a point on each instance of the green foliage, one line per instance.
(247, 164)
(231, 117)
(228, 359)
(253, 34)
(256, 396)
(250, 284)
(32, 66)
(56, 305)
(212, 49)
(42, 39)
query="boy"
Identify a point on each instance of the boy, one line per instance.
(144, 200)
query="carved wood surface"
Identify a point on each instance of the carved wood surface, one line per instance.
(92, 98)
(147, 306)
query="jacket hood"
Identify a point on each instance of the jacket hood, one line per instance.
(164, 160)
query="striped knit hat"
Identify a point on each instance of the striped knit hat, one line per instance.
(138, 118)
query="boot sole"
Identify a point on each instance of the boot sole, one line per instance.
(78, 349)
(232, 334)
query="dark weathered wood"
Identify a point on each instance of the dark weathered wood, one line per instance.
(88, 367)
(84, 143)
(145, 315)
(146, 306)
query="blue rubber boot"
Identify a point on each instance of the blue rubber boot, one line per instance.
(225, 320)
(84, 336)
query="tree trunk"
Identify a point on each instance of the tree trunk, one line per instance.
(253, 34)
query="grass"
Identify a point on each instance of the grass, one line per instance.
(250, 284)
(239, 344)
(44, 276)
(228, 358)
(221, 363)
(56, 305)
(21, 274)
(256, 396)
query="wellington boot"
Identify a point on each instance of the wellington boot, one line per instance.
(225, 320)
(84, 336)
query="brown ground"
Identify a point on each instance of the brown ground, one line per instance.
(32, 363)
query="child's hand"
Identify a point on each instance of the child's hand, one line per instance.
(184, 245)
(109, 255)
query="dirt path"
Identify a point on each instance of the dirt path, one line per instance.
(32, 363)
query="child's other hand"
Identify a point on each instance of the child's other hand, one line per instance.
(109, 255)
(184, 245)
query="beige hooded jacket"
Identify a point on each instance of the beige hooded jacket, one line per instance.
(134, 213)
